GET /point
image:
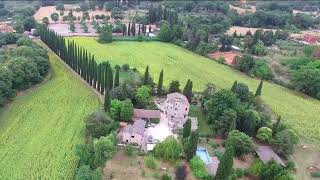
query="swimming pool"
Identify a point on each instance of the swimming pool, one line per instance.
(203, 154)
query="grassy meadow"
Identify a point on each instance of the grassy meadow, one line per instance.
(39, 129)
(296, 109)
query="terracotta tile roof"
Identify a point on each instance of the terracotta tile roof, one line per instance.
(229, 57)
(146, 113)
(137, 127)
(266, 154)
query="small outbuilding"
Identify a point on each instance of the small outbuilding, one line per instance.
(266, 154)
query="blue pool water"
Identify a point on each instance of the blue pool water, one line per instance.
(203, 154)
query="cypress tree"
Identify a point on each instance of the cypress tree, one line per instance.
(193, 143)
(259, 89)
(116, 79)
(99, 78)
(187, 128)
(129, 29)
(233, 88)
(124, 30)
(225, 166)
(139, 30)
(187, 91)
(133, 28)
(110, 78)
(105, 78)
(146, 76)
(160, 84)
(107, 101)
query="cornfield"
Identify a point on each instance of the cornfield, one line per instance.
(39, 130)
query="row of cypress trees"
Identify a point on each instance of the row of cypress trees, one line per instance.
(99, 76)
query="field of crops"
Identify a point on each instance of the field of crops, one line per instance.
(299, 111)
(38, 130)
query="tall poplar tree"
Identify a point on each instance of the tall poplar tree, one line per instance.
(259, 89)
(160, 84)
(146, 76)
(225, 166)
(117, 79)
(107, 101)
(187, 91)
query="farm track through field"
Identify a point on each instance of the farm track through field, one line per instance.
(299, 111)
(40, 129)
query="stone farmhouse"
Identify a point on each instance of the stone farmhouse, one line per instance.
(176, 110)
(134, 133)
(173, 115)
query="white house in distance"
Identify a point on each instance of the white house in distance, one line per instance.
(176, 109)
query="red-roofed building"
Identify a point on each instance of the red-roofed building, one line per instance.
(5, 28)
(229, 57)
(310, 38)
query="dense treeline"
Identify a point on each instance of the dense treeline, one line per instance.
(99, 76)
(20, 67)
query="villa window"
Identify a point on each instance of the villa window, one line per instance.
(186, 109)
(132, 136)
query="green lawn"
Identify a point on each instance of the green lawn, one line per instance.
(299, 111)
(38, 130)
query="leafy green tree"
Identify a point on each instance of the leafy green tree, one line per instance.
(227, 122)
(165, 33)
(250, 122)
(272, 170)
(245, 64)
(143, 95)
(224, 170)
(264, 134)
(99, 124)
(221, 101)
(72, 26)
(262, 70)
(126, 110)
(85, 153)
(104, 148)
(60, 7)
(174, 86)
(267, 38)
(170, 149)
(198, 168)
(226, 42)
(243, 93)
(259, 89)
(160, 84)
(284, 141)
(105, 35)
(241, 143)
(86, 173)
(54, 17)
(306, 79)
(121, 110)
(45, 20)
